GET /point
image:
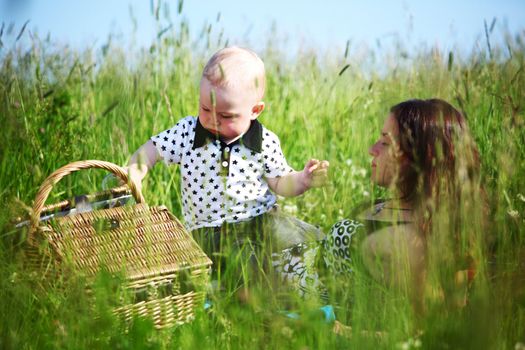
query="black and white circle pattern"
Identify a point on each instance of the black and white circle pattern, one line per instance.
(338, 245)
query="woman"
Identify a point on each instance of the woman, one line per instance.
(428, 161)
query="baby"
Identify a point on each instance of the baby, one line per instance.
(231, 165)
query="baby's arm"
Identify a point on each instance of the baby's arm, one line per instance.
(142, 161)
(314, 174)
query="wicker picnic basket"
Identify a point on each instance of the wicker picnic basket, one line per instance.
(163, 267)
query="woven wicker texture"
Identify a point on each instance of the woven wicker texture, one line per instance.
(60, 173)
(140, 241)
(165, 312)
(164, 267)
(65, 204)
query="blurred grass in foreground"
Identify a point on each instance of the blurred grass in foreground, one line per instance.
(58, 105)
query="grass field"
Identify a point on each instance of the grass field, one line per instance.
(59, 105)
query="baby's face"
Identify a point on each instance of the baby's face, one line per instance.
(233, 111)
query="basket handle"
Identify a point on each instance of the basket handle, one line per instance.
(58, 174)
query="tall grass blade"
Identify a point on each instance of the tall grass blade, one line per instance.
(10, 28)
(110, 108)
(163, 31)
(343, 70)
(48, 93)
(487, 37)
(22, 30)
(492, 25)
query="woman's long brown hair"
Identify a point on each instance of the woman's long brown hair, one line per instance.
(440, 176)
(441, 155)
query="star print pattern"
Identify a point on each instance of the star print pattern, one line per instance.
(221, 183)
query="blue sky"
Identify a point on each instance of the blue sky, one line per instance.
(321, 24)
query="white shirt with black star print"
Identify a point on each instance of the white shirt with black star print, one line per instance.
(220, 182)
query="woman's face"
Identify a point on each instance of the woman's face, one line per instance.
(386, 154)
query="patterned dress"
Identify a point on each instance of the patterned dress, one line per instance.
(301, 266)
(335, 255)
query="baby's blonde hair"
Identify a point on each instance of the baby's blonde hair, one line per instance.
(236, 67)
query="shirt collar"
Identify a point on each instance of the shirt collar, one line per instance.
(252, 138)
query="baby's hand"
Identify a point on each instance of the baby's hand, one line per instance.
(112, 181)
(136, 173)
(315, 173)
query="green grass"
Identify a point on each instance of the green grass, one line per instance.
(59, 105)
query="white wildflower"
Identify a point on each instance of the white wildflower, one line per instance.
(403, 346)
(349, 162)
(290, 209)
(513, 213)
(366, 194)
(521, 197)
(287, 332)
(311, 205)
(412, 343)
